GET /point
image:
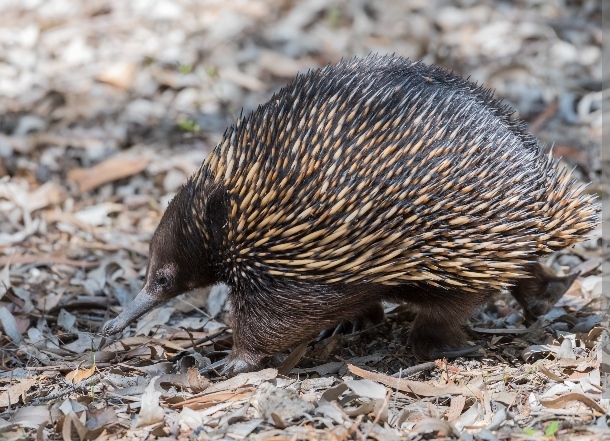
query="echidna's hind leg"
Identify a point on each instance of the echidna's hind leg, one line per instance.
(538, 293)
(437, 330)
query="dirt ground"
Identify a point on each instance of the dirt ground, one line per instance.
(107, 106)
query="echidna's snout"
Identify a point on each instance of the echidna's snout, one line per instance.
(163, 282)
(143, 303)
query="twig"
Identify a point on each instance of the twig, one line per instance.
(203, 340)
(543, 117)
(69, 367)
(82, 385)
(415, 369)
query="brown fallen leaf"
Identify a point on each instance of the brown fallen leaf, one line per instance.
(414, 387)
(456, 407)
(560, 402)
(242, 79)
(292, 360)
(243, 379)
(79, 375)
(278, 64)
(116, 167)
(205, 401)
(119, 74)
(542, 369)
(196, 382)
(12, 394)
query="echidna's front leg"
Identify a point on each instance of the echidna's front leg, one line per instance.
(267, 323)
(538, 293)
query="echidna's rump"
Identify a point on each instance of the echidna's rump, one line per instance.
(371, 180)
(388, 171)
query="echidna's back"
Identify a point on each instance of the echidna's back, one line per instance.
(388, 171)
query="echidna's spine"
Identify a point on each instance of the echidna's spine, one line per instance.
(388, 171)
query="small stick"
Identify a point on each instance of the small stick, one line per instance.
(415, 369)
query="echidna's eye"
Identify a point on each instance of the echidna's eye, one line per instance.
(162, 280)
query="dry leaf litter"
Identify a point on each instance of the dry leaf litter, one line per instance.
(106, 107)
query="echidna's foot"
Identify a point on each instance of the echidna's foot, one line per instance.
(368, 317)
(239, 362)
(455, 352)
(539, 293)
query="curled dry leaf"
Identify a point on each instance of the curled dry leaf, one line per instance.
(99, 420)
(410, 386)
(367, 389)
(434, 425)
(9, 324)
(242, 430)
(151, 411)
(560, 402)
(31, 416)
(209, 400)
(538, 351)
(472, 416)
(544, 370)
(324, 369)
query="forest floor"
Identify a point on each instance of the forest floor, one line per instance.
(106, 107)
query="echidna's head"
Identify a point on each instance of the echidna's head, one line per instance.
(179, 259)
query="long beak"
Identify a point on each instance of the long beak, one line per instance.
(143, 303)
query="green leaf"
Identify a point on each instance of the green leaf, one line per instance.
(530, 431)
(211, 71)
(552, 428)
(334, 17)
(189, 125)
(184, 68)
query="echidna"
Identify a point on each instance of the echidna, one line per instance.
(375, 179)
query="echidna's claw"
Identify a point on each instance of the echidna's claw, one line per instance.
(214, 366)
(372, 316)
(234, 366)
